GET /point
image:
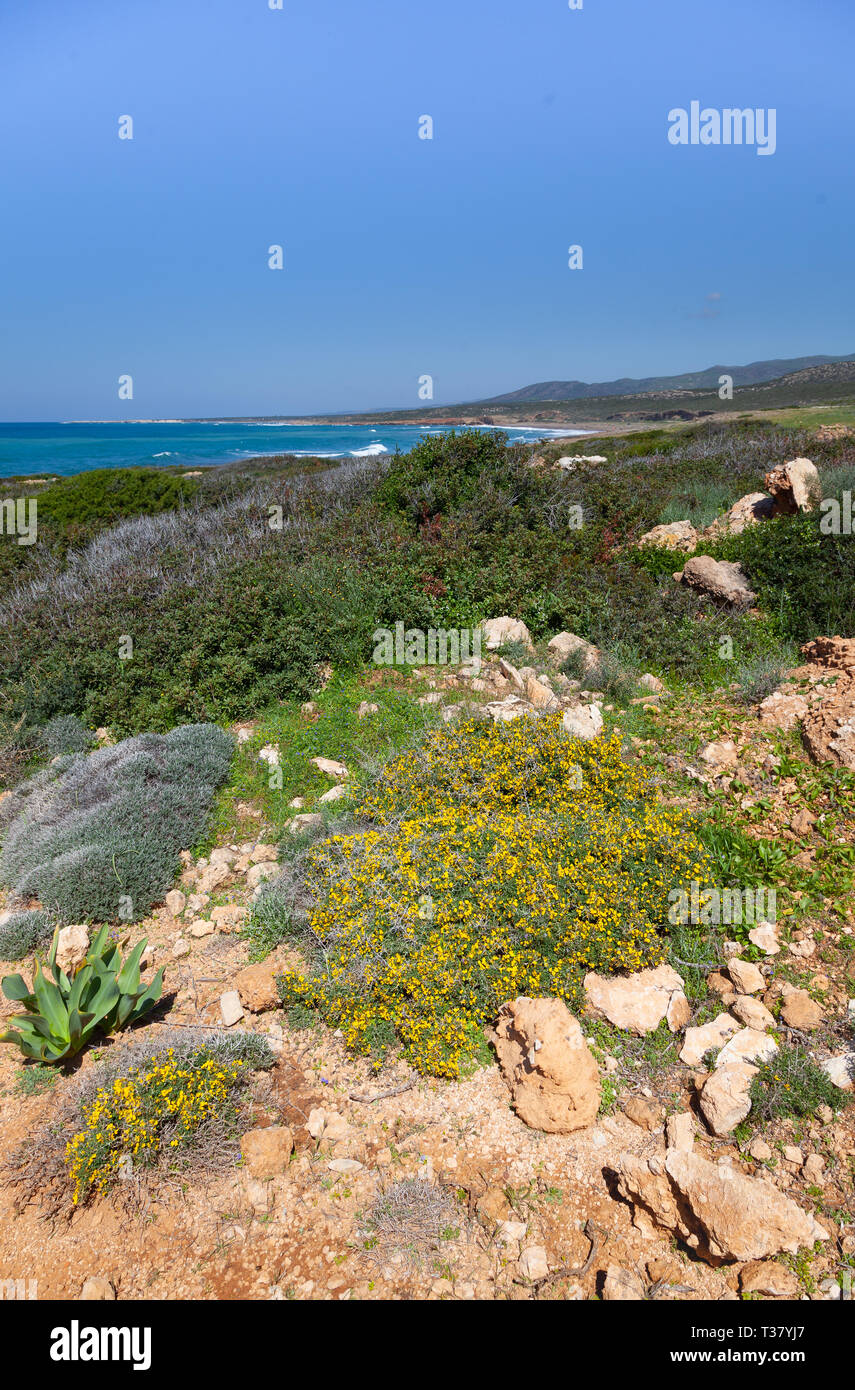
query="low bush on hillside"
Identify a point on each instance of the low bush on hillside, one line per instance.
(495, 860)
(97, 836)
(792, 1084)
(804, 578)
(153, 1109)
(24, 932)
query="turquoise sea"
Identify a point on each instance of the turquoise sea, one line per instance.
(61, 449)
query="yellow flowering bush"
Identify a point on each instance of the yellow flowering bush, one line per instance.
(500, 859)
(137, 1119)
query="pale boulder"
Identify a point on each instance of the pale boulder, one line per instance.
(725, 1099)
(713, 1035)
(584, 722)
(71, 947)
(795, 487)
(498, 632)
(330, 768)
(567, 642)
(672, 535)
(267, 1152)
(747, 978)
(622, 1285)
(638, 1002)
(752, 1013)
(546, 1062)
(722, 580)
(721, 1213)
(801, 1012)
(765, 937)
(748, 1045)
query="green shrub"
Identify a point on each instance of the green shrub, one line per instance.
(97, 836)
(758, 678)
(106, 495)
(792, 1084)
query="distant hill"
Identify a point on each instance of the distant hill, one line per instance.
(751, 375)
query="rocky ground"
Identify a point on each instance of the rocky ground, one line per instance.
(668, 1189)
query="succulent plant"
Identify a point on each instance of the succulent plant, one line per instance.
(63, 1014)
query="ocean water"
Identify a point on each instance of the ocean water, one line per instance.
(61, 449)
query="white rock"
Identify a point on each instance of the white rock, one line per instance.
(533, 1263)
(72, 947)
(748, 1045)
(309, 820)
(269, 754)
(500, 631)
(841, 1070)
(231, 1009)
(584, 722)
(334, 794)
(330, 767)
(765, 937)
(699, 1041)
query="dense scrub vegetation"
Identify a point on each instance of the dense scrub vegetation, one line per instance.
(237, 603)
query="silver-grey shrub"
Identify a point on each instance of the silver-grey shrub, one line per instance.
(97, 836)
(24, 932)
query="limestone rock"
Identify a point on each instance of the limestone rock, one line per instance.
(765, 937)
(769, 1278)
(829, 729)
(637, 1002)
(699, 1041)
(256, 986)
(622, 1285)
(366, 708)
(334, 793)
(748, 1045)
(719, 754)
(838, 653)
(722, 580)
(583, 721)
(231, 1010)
(540, 695)
(802, 1012)
(260, 873)
(795, 487)
(680, 1131)
(841, 1070)
(175, 902)
(307, 821)
(498, 632)
(567, 642)
(672, 535)
(330, 768)
(97, 1289)
(780, 711)
(533, 1263)
(72, 946)
(725, 1215)
(747, 511)
(752, 1013)
(725, 1099)
(267, 1152)
(546, 1062)
(745, 976)
(647, 1114)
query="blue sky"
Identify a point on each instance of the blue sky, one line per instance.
(403, 256)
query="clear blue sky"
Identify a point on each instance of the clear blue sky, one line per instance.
(405, 256)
